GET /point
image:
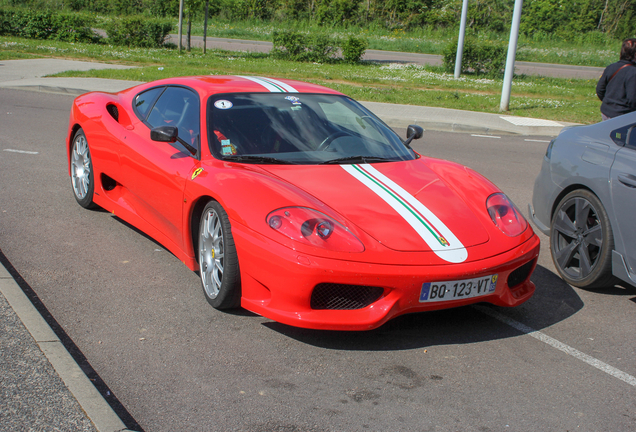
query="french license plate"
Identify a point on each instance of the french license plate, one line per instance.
(455, 290)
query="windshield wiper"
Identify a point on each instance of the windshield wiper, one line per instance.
(357, 159)
(257, 159)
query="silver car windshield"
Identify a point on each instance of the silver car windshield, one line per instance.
(299, 128)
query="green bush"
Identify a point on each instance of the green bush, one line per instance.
(353, 49)
(321, 48)
(479, 57)
(5, 28)
(75, 27)
(69, 27)
(290, 45)
(295, 46)
(32, 24)
(137, 31)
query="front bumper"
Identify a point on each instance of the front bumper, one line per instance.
(277, 283)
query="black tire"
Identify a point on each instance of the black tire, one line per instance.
(581, 241)
(82, 177)
(218, 261)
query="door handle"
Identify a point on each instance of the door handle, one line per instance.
(627, 180)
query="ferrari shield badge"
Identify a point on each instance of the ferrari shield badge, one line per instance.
(196, 173)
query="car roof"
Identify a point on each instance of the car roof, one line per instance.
(215, 84)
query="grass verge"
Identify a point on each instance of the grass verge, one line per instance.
(571, 100)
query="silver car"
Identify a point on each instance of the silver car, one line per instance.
(585, 199)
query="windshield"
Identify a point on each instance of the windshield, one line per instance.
(299, 129)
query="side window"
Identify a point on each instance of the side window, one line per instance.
(144, 101)
(631, 141)
(179, 107)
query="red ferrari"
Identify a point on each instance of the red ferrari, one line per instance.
(295, 202)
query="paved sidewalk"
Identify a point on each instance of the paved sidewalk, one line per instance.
(41, 385)
(29, 75)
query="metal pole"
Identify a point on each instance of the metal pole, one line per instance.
(205, 25)
(510, 60)
(460, 40)
(180, 23)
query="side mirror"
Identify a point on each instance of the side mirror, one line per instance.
(167, 134)
(413, 132)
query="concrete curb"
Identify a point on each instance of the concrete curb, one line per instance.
(94, 405)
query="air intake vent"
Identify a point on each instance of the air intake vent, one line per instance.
(520, 274)
(113, 111)
(341, 297)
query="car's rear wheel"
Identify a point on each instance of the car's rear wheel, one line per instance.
(218, 260)
(581, 240)
(82, 178)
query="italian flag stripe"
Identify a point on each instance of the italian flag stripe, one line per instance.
(427, 225)
(440, 238)
(271, 84)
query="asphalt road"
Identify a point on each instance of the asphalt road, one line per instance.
(139, 317)
(527, 68)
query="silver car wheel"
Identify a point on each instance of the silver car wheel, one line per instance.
(82, 175)
(80, 166)
(211, 253)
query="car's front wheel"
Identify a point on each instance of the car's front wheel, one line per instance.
(82, 178)
(581, 240)
(218, 261)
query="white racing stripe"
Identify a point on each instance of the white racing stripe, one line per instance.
(616, 373)
(271, 84)
(429, 227)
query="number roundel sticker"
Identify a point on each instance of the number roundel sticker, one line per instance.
(223, 104)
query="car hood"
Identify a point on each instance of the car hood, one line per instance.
(406, 206)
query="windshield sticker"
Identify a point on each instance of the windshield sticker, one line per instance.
(227, 148)
(196, 173)
(294, 100)
(223, 104)
(437, 236)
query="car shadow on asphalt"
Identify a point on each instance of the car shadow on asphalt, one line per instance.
(620, 289)
(553, 301)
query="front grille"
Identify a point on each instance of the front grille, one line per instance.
(520, 274)
(342, 297)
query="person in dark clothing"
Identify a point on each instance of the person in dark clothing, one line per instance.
(617, 86)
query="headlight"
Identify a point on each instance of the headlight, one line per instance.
(313, 228)
(505, 215)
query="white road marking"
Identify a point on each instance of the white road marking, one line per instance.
(21, 151)
(616, 373)
(485, 136)
(531, 140)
